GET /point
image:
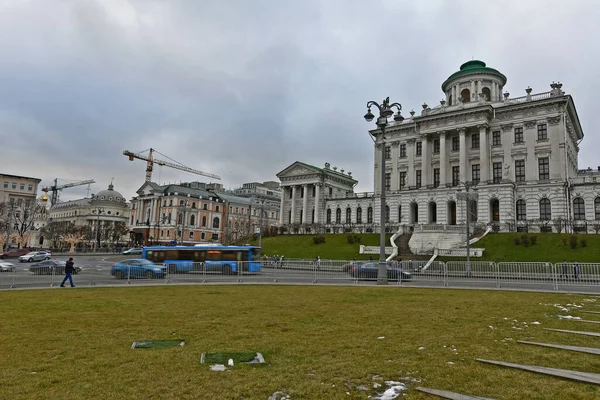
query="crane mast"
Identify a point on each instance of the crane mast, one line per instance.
(150, 161)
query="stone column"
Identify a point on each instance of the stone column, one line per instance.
(454, 101)
(457, 90)
(410, 152)
(473, 90)
(425, 161)
(153, 211)
(317, 202)
(293, 207)
(305, 204)
(281, 214)
(484, 153)
(463, 154)
(395, 174)
(478, 90)
(493, 94)
(443, 159)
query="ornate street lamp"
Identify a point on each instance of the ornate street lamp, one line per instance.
(385, 111)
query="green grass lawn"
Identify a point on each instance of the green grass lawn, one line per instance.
(549, 248)
(319, 342)
(336, 247)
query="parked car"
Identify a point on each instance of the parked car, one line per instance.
(368, 270)
(7, 267)
(138, 268)
(50, 267)
(347, 267)
(133, 251)
(14, 253)
(35, 256)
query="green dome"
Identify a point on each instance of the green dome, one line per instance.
(473, 67)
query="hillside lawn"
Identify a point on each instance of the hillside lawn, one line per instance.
(320, 342)
(499, 247)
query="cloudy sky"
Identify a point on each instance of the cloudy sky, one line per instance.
(244, 88)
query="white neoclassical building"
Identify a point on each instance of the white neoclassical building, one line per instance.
(519, 156)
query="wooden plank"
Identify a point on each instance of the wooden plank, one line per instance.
(586, 320)
(576, 332)
(590, 350)
(579, 376)
(589, 312)
(450, 395)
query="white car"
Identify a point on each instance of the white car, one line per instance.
(7, 267)
(35, 256)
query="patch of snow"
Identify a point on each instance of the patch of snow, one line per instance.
(218, 367)
(395, 390)
(535, 323)
(450, 363)
(491, 327)
(421, 348)
(567, 317)
(561, 307)
(506, 319)
(381, 337)
(230, 362)
(376, 385)
(508, 338)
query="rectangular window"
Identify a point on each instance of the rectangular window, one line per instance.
(388, 152)
(519, 135)
(215, 236)
(455, 176)
(402, 179)
(521, 210)
(544, 168)
(388, 181)
(29, 188)
(475, 141)
(436, 177)
(14, 185)
(497, 172)
(205, 206)
(419, 148)
(520, 170)
(455, 143)
(436, 146)
(202, 235)
(475, 173)
(542, 132)
(403, 150)
(5, 185)
(418, 178)
(22, 186)
(496, 139)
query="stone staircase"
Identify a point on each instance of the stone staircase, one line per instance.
(426, 238)
(402, 243)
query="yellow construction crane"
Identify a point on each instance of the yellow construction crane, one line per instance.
(55, 188)
(150, 161)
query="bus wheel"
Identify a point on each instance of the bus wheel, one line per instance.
(227, 270)
(172, 269)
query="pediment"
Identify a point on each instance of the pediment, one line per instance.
(146, 189)
(298, 169)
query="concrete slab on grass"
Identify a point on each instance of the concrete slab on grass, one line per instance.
(450, 395)
(562, 373)
(157, 344)
(590, 350)
(576, 332)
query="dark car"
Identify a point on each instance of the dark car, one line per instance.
(50, 267)
(138, 268)
(368, 270)
(14, 253)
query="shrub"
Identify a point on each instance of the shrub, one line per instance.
(350, 239)
(517, 241)
(573, 241)
(356, 239)
(564, 240)
(583, 242)
(525, 240)
(318, 239)
(533, 240)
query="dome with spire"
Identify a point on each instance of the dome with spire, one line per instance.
(109, 195)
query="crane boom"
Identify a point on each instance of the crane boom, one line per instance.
(150, 161)
(55, 188)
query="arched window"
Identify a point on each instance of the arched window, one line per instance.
(450, 100)
(192, 220)
(521, 210)
(204, 220)
(465, 95)
(545, 210)
(495, 210)
(486, 93)
(216, 222)
(359, 215)
(179, 218)
(370, 215)
(194, 204)
(579, 209)
(597, 208)
(338, 216)
(348, 215)
(329, 215)
(387, 213)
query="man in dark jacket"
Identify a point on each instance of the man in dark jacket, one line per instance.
(69, 270)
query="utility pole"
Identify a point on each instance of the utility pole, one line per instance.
(99, 210)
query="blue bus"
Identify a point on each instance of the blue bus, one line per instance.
(215, 258)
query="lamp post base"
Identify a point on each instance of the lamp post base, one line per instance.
(382, 273)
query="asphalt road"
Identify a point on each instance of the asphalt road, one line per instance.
(96, 272)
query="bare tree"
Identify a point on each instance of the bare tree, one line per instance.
(595, 225)
(72, 239)
(17, 220)
(559, 224)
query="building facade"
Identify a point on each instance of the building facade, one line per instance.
(20, 213)
(518, 156)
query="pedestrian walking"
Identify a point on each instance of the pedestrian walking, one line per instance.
(69, 270)
(575, 270)
(318, 262)
(565, 271)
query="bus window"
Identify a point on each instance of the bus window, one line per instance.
(213, 255)
(228, 255)
(172, 255)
